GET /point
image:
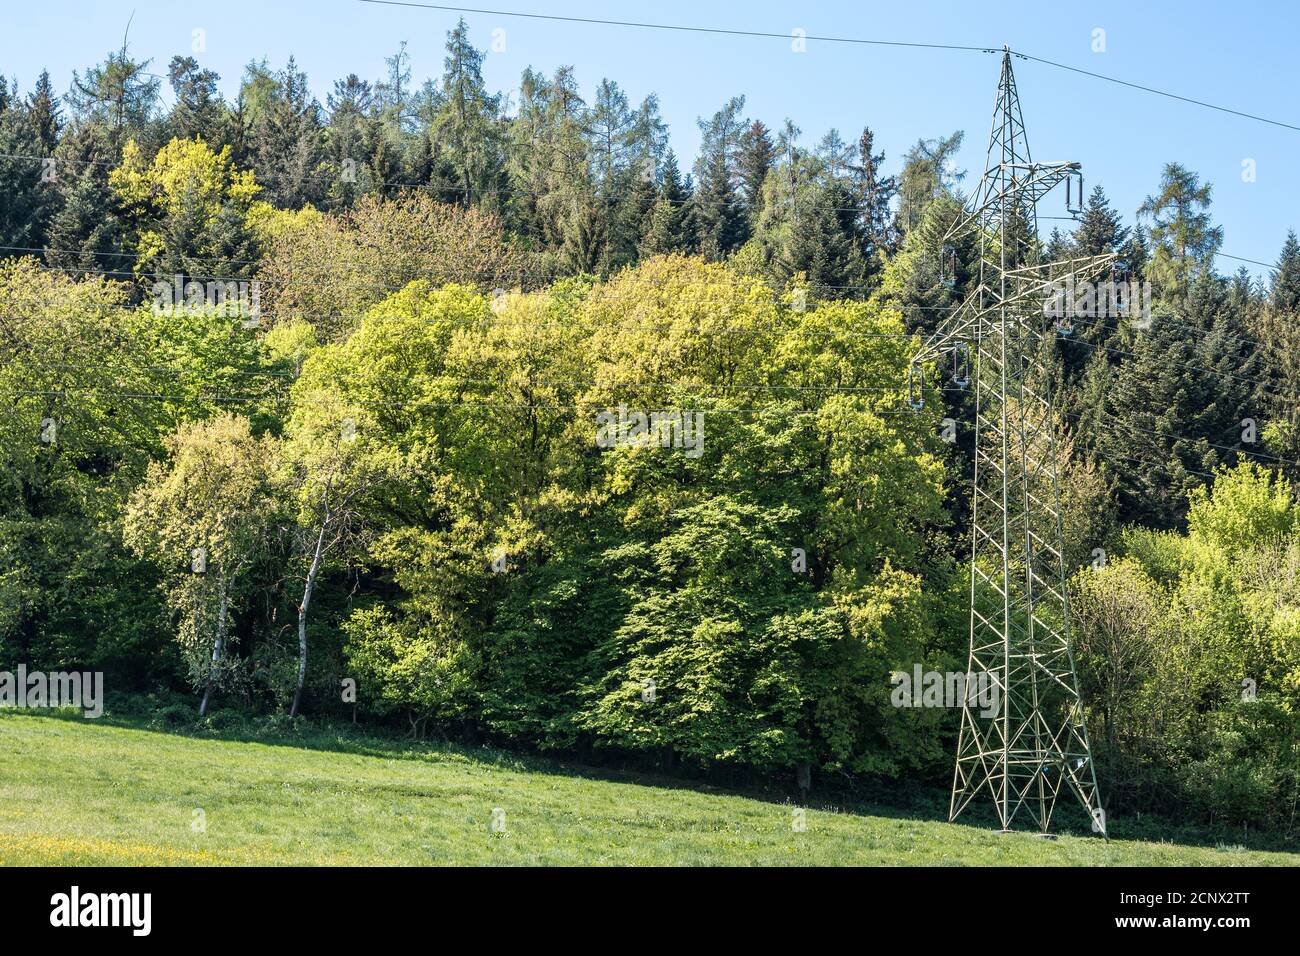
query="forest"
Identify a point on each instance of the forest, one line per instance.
(482, 415)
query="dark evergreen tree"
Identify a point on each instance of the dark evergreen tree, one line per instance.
(1286, 281)
(286, 139)
(44, 114)
(1059, 245)
(29, 178)
(754, 159)
(85, 232)
(199, 110)
(873, 194)
(719, 209)
(669, 227)
(1143, 430)
(358, 152)
(584, 243)
(1102, 230)
(1227, 366)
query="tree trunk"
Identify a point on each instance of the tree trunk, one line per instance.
(302, 619)
(217, 647)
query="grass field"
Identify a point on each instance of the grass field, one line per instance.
(79, 792)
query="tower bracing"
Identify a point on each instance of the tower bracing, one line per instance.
(1034, 748)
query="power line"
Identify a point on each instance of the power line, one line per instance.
(1204, 334)
(1175, 437)
(1158, 92)
(839, 39)
(720, 31)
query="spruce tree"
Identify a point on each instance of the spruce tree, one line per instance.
(44, 114)
(1286, 281)
(873, 194)
(1102, 230)
(85, 230)
(27, 191)
(199, 109)
(355, 146)
(754, 159)
(286, 141)
(669, 228)
(719, 210)
(1144, 432)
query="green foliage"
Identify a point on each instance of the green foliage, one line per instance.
(460, 283)
(1190, 650)
(202, 518)
(1184, 238)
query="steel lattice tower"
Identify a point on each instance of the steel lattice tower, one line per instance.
(1036, 745)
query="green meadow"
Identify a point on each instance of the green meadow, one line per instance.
(78, 792)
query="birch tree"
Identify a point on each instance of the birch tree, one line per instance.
(326, 473)
(202, 515)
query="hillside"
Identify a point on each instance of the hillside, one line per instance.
(76, 792)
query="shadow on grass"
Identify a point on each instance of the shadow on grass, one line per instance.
(884, 800)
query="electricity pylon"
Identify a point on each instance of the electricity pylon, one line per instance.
(1035, 745)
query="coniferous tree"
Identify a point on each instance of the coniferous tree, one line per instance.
(610, 128)
(1286, 281)
(1226, 365)
(669, 227)
(361, 153)
(199, 110)
(1058, 245)
(808, 225)
(584, 241)
(466, 130)
(927, 174)
(85, 231)
(44, 114)
(121, 96)
(26, 173)
(1100, 232)
(286, 138)
(719, 210)
(1275, 324)
(1184, 239)
(548, 157)
(392, 97)
(1143, 428)
(754, 158)
(873, 194)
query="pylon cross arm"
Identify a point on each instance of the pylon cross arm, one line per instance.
(1023, 183)
(1030, 281)
(959, 327)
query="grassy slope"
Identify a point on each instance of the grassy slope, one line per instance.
(78, 792)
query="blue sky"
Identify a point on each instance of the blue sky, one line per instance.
(1237, 55)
